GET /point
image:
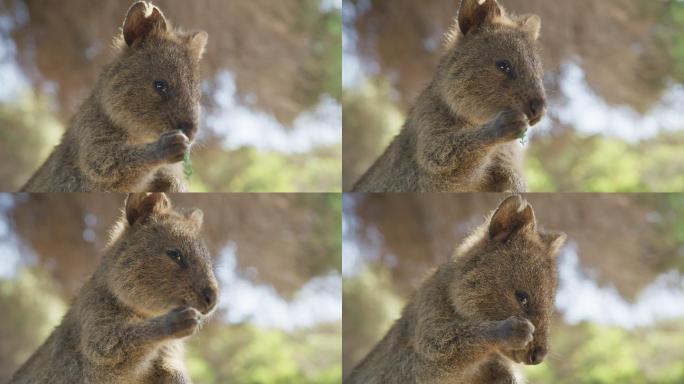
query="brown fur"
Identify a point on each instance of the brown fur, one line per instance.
(462, 133)
(127, 323)
(130, 136)
(465, 324)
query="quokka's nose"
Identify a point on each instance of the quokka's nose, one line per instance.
(535, 110)
(209, 295)
(189, 129)
(536, 355)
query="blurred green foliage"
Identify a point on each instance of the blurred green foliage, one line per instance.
(676, 217)
(570, 161)
(573, 162)
(329, 228)
(369, 307)
(29, 130)
(249, 355)
(326, 46)
(667, 216)
(370, 121)
(250, 170)
(29, 309)
(676, 22)
(594, 354)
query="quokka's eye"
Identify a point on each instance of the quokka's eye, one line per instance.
(176, 256)
(505, 67)
(161, 86)
(523, 298)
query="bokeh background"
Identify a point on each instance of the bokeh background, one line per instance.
(614, 76)
(619, 316)
(277, 259)
(271, 91)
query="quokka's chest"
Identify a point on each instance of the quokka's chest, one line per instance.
(158, 365)
(498, 171)
(165, 178)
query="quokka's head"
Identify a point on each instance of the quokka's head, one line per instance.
(154, 84)
(159, 260)
(492, 63)
(509, 268)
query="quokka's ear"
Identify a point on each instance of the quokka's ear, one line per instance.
(532, 25)
(475, 13)
(197, 42)
(555, 240)
(143, 19)
(196, 217)
(140, 206)
(513, 215)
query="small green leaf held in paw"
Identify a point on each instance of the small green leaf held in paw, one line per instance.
(187, 165)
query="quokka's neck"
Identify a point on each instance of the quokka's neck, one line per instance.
(432, 112)
(92, 115)
(99, 289)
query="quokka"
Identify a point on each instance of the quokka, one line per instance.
(479, 314)
(136, 127)
(154, 286)
(462, 133)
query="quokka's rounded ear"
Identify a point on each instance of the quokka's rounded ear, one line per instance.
(555, 240)
(532, 25)
(142, 20)
(196, 217)
(474, 13)
(140, 206)
(197, 42)
(513, 215)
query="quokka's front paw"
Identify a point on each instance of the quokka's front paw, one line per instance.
(516, 332)
(509, 125)
(181, 322)
(172, 146)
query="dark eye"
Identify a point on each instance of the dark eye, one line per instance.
(176, 256)
(505, 67)
(161, 86)
(523, 298)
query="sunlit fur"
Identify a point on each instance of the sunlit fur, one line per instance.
(114, 141)
(127, 323)
(463, 132)
(454, 328)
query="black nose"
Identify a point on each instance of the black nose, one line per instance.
(209, 297)
(537, 355)
(189, 129)
(535, 110)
